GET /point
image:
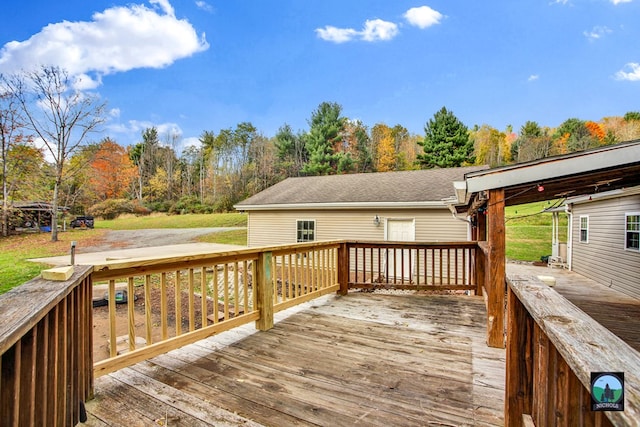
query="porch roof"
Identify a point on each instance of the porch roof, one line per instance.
(586, 172)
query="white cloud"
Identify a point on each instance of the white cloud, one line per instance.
(616, 2)
(336, 35)
(423, 17)
(203, 5)
(114, 112)
(633, 75)
(533, 77)
(378, 29)
(192, 141)
(597, 33)
(118, 39)
(374, 30)
(165, 6)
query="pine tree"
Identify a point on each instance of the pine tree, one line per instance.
(324, 135)
(446, 142)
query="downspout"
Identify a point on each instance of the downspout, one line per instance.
(569, 237)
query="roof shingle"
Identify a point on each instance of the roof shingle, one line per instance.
(382, 187)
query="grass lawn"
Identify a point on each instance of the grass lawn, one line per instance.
(528, 231)
(232, 219)
(16, 250)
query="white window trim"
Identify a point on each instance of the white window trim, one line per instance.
(627, 215)
(580, 229)
(315, 231)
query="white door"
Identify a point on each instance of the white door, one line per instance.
(400, 262)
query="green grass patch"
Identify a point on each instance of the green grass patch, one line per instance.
(130, 222)
(16, 250)
(231, 237)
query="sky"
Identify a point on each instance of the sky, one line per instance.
(192, 66)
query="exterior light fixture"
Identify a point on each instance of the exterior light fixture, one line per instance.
(376, 220)
(540, 188)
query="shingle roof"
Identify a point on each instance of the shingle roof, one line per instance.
(430, 185)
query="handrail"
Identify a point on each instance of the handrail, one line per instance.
(544, 326)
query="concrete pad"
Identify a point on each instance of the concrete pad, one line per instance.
(94, 258)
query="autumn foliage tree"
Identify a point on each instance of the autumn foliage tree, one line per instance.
(60, 115)
(112, 171)
(385, 148)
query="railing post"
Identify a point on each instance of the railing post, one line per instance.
(519, 362)
(264, 291)
(343, 268)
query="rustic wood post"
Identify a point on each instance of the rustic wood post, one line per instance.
(496, 272)
(519, 362)
(343, 268)
(264, 291)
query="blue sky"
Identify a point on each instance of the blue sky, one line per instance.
(190, 66)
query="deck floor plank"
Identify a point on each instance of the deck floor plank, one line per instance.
(616, 311)
(363, 359)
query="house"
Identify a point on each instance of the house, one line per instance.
(397, 206)
(604, 238)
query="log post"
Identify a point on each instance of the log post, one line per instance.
(264, 291)
(496, 272)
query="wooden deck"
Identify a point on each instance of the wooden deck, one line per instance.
(361, 359)
(617, 312)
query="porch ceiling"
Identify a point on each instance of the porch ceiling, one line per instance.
(574, 185)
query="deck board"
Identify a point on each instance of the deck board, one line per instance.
(364, 359)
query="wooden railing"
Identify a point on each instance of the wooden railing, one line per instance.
(46, 352)
(189, 298)
(416, 266)
(552, 349)
(155, 305)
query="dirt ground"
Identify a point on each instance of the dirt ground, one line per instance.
(119, 239)
(101, 319)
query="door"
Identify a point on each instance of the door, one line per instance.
(400, 262)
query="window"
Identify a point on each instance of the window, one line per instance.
(632, 231)
(306, 230)
(584, 229)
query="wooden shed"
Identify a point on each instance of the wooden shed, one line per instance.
(394, 206)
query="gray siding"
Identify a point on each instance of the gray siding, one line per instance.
(279, 227)
(604, 258)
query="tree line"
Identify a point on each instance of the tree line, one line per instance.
(47, 152)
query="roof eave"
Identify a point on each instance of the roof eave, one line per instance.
(346, 205)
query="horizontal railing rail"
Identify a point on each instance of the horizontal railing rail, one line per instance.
(46, 351)
(552, 349)
(413, 265)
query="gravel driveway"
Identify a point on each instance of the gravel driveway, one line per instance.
(129, 239)
(130, 244)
